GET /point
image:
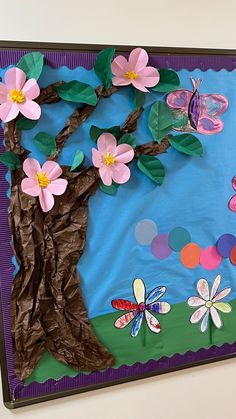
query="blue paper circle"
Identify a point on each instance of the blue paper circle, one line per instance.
(178, 238)
(225, 244)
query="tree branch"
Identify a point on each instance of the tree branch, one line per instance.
(152, 148)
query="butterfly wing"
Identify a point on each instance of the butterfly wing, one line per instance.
(179, 101)
(211, 107)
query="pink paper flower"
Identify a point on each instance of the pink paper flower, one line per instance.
(232, 202)
(43, 182)
(134, 71)
(110, 159)
(16, 96)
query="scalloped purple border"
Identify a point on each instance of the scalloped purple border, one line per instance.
(17, 389)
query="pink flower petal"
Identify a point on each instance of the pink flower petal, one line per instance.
(97, 158)
(30, 109)
(46, 200)
(198, 314)
(105, 174)
(8, 111)
(57, 186)
(149, 76)
(203, 289)
(31, 167)
(30, 186)
(52, 169)
(121, 81)
(196, 302)
(234, 183)
(138, 59)
(232, 202)
(119, 66)
(15, 78)
(31, 89)
(124, 153)
(139, 85)
(222, 294)
(215, 286)
(106, 143)
(3, 93)
(215, 317)
(120, 173)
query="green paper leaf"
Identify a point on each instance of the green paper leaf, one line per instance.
(109, 190)
(103, 66)
(160, 120)
(169, 80)
(75, 91)
(128, 139)
(95, 132)
(78, 160)
(32, 64)
(25, 123)
(187, 144)
(139, 99)
(180, 119)
(10, 159)
(151, 167)
(45, 143)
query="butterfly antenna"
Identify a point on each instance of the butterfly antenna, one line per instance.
(196, 83)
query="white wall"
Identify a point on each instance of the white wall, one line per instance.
(206, 392)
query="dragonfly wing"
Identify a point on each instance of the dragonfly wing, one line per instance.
(137, 324)
(152, 322)
(139, 290)
(159, 307)
(155, 294)
(179, 99)
(124, 305)
(122, 321)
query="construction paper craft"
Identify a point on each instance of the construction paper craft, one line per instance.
(104, 182)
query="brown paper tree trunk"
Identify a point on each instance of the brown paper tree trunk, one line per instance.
(47, 309)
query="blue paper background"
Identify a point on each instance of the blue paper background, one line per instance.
(194, 195)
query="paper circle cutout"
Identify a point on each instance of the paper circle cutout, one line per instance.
(145, 231)
(190, 255)
(233, 256)
(160, 247)
(178, 238)
(210, 258)
(225, 244)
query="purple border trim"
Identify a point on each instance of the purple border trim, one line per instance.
(17, 389)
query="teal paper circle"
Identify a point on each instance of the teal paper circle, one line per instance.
(178, 238)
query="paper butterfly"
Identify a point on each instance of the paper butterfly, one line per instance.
(201, 112)
(141, 308)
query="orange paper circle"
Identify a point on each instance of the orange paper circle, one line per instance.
(190, 255)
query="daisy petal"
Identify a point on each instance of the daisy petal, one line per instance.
(8, 111)
(31, 167)
(52, 169)
(204, 323)
(119, 66)
(106, 143)
(139, 290)
(124, 320)
(121, 81)
(124, 305)
(30, 109)
(222, 294)
(215, 286)
(224, 307)
(124, 153)
(152, 322)
(57, 186)
(30, 186)
(15, 78)
(215, 317)
(105, 175)
(155, 294)
(97, 158)
(120, 173)
(195, 302)
(3, 93)
(203, 289)
(138, 59)
(198, 314)
(159, 307)
(31, 89)
(137, 324)
(232, 203)
(46, 200)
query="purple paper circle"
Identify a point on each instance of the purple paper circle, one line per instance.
(160, 247)
(225, 244)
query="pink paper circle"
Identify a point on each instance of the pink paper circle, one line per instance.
(210, 258)
(160, 247)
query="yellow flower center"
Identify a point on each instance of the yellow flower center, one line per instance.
(209, 304)
(109, 159)
(131, 75)
(17, 96)
(42, 179)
